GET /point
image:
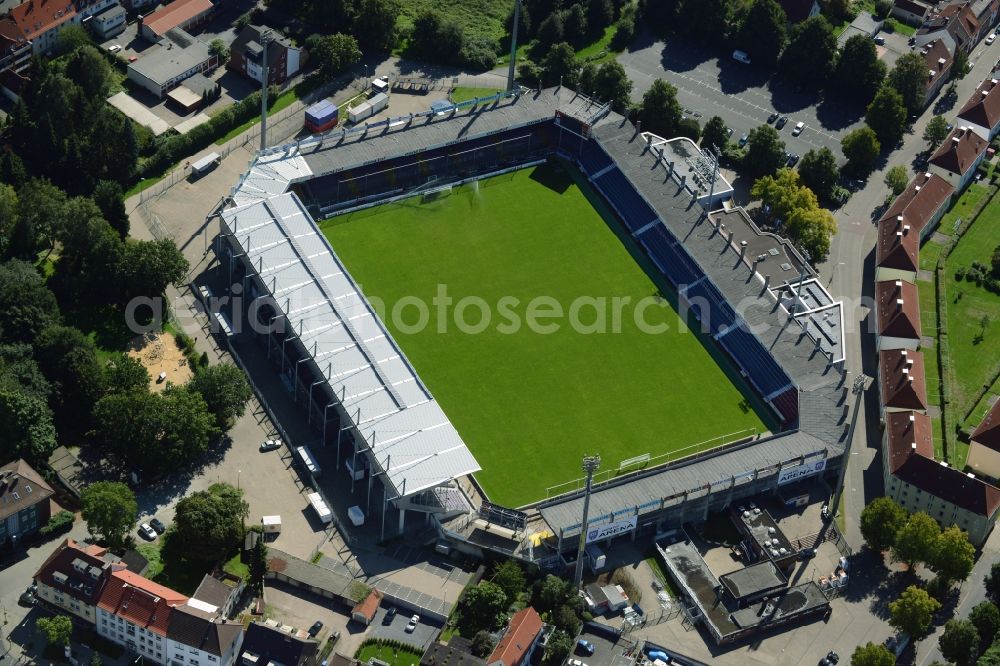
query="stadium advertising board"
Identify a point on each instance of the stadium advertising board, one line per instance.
(790, 474)
(611, 529)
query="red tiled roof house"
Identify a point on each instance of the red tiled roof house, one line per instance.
(981, 113)
(519, 641)
(73, 578)
(919, 483)
(984, 450)
(912, 217)
(901, 381)
(135, 612)
(897, 315)
(957, 158)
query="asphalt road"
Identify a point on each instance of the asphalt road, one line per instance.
(712, 84)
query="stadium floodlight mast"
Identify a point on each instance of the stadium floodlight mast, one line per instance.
(265, 36)
(590, 465)
(858, 389)
(513, 45)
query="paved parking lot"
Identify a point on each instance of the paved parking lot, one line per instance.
(420, 637)
(711, 83)
(298, 608)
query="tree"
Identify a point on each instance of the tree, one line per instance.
(147, 267)
(588, 77)
(896, 179)
(26, 304)
(917, 540)
(660, 111)
(482, 644)
(953, 555)
(611, 84)
(124, 374)
(783, 194)
(566, 619)
(812, 229)
(57, 629)
(935, 132)
(763, 34)
(560, 66)
(765, 151)
(991, 657)
(811, 54)
(375, 26)
(258, 565)
(218, 48)
(880, 521)
(423, 38)
(706, 19)
(818, 171)
(886, 115)
(551, 593)
(41, 216)
(872, 654)
(509, 576)
(8, 215)
(861, 147)
(90, 70)
(985, 616)
(995, 262)
(484, 608)
(19, 372)
(575, 24)
(960, 642)
(225, 390)
(208, 524)
(714, 134)
(992, 582)
(913, 611)
(69, 361)
(26, 428)
(960, 67)
(333, 54)
(552, 30)
(71, 38)
(859, 72)
(690, 128)
(600, 14)
(109, 198)
(557, 648)
(110, 509)
(908, 77)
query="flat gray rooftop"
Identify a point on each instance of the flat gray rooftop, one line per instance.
(794, 601)
(765, 532)
(753, 579)
(689, 161)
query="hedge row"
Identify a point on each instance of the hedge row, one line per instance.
(61, 522)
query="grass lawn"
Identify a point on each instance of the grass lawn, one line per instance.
(929, 253)
(516, 393)
(961, 209)
(177, 575)
(902, 28)
(235, 567)
(593, 52)
(478, 18)
(390, 655)
(463, 93)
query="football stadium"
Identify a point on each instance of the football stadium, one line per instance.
(373, 264)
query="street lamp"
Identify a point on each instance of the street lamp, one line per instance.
(590, 465)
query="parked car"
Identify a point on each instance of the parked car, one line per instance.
(880, 40)
(157, 526)
(314, 629)
(830, 659)
(807, 553)
(793, 159)
(585, 646)
(782, 121)
(389, 616)
(28, 597)
(146, 532)
(992, 38)
(799, 126)
(896, 644)
(729, 131)
(115, 48)
(771, 118)
(270, 445)
(412, 624)
(744, 139)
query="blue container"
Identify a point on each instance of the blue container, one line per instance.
(321, 116)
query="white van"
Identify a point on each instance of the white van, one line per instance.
(799, 126)
(741, 56)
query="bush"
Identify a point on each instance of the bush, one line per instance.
(529, 73)
(58, 523)
(479, 53)
(624, 33)
(882, 8)
(889, 26)
(960, 273)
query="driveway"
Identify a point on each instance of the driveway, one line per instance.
(298, 608)
(710, 83)
(420, 637)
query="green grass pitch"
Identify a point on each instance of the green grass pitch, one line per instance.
(528, 404)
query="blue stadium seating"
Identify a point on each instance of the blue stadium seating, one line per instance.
(763, 371)
(593, 158)
(625, 200)
(787, 405)
(672, 261)
(720, 313)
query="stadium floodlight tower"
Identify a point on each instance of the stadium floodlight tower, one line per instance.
(513, 45)
(590, 465)
(265, 37)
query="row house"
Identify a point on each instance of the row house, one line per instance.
(902, 383)
(939, 55)
(919, 483)
(981, 113)
(957, 157)
(910, 220)
(73, 578)
(984, 446)
(25, 504)
(40, 21)
(897, 315)
(135, 612)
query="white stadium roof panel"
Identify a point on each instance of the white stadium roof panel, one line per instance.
(400, 421)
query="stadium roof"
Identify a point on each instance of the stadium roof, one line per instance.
(410, 438)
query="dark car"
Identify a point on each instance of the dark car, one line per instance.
(793, 160)
(157, 526)
(27, 598)
(313, 630)
(830, 659)
(771, 118)
(807, 553)
(782, 121)
(389, 616)
(585, 646)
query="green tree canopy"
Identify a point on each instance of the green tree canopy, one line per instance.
(765, 152)
(26, 428)
(559, 646)
(69, 361)
(992, 582)
(124, 374)
(333, 54)
(714, 134)
(575, 27)
(706, 19)
(886, 115)
(560, 64)
(89, 70)
(881, 519)
(552, 30)
(908, 77)
(985, 616)
(611, 84)
(812, 229)
(811, 54)
(991, 657)
(110, 200)
(861, 148)
(550, 593)
(149, 266)
(913, 611)
(763, 34)
(375, 26)
(859, 72)
(917, 540)
(26, 304)
(935, 132)
(20, 372)
(208, 524)
(57, 629)
(483, 608)
(8, 216)
(110, 510)
(818, 171)
(953, 555)
(783, 194)
(960, 642)
(896, 179)
(225, 390)
(660, 111)
(509, 576)
(872, 654)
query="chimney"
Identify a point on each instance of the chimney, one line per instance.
(913, 419)
(767, 281)
(913, 446)
(899, 302)
(904, 353)
(956, 140)
(906, 227)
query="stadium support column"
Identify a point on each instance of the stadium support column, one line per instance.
(858, 389)
(513, 46)
(590, 465)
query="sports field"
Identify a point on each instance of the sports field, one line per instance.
(530, 403)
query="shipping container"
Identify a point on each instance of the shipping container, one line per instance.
(321, 116)
(319, 506)
(369, 108)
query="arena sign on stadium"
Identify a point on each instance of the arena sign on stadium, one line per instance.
(611, 530)
(800, 472)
